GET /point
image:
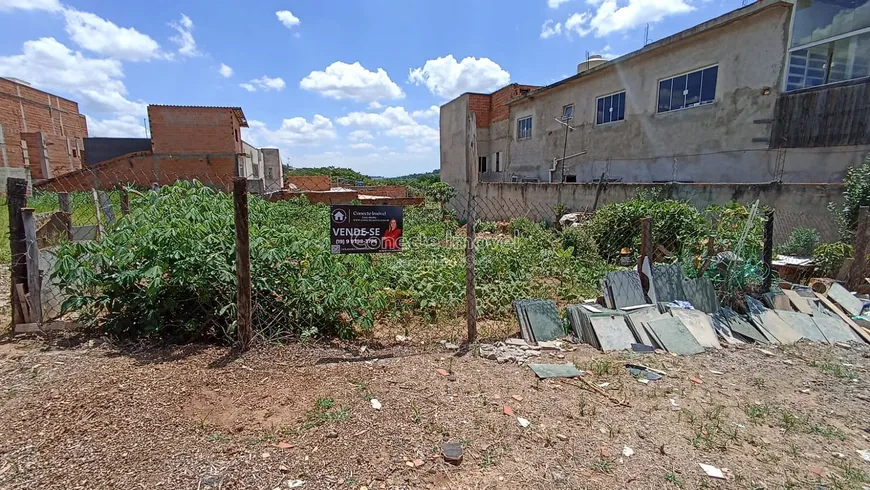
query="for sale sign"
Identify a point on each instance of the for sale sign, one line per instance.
(365, 229)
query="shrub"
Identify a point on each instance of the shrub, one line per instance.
(677, 225)
(524, 227)
(829, 257)
(730, 222)
(486, 226)
(857, 194)
(441, 192)
(580, 241)
(802, 242)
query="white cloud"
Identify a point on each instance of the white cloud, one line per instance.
(549, 29)
(362, 146)
(352, 81)
(389, 118)
(51, 66)
(121, 127)
(375, 105)
(264, 83)
(360, 135)
(433, 111)
(225, 71)
(578, 24)
(287, 18)
(414, 133)
(608, 54)
(184, 39)
(50, 5)
(418, 148)
(296, 131)
(99, 35)
(620, 15)
(554, 4)
(446, 78)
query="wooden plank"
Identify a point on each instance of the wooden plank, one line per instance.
(799, 302)
(243, 262)
(66, 208)
(470, 279)
(16, 198)
(21, 299)
(125, 202)
(44, 327)
(861, 331)
(34, 280)
(96, 199)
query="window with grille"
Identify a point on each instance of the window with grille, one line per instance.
(481, 164)
(499, 165)
(689, 90)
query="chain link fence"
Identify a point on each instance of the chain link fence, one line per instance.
(136, 256)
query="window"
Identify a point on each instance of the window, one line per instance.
(270, 173)
(568, 112)
(817, 20)
(256, 168)
(481, 164)
(524, 128)
(75, 153)
(499, 167)
(837, 61)
(571, 178)
(610, 108)
(514, 178)
(689, 90)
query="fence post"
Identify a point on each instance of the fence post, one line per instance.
(471, 173)
(859, 250)
(243, 262)
(16, 197)
(66, 208)
(34, 282)
(106, 205)
(125, 202)
(98, 214)
(767, 253)
(646, 251)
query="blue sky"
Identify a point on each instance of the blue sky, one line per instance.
(343, 83)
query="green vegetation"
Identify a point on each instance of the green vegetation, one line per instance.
(857, 194)
(829, 257)
(167, 270)
(802, 242)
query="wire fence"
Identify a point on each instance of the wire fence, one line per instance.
(132, 255)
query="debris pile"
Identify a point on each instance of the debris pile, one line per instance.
(517, 350)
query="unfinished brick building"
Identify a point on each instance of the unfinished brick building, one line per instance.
(187, 143)
(40, 133)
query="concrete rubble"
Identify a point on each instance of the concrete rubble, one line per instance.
(518, 350)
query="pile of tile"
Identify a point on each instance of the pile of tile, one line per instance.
(600, 327)
(539, 320)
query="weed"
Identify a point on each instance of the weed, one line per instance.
(415, 415)
(361, 386)
(826, 431)
(757, 382)
(756, 412)
(790, 421)
(487, 460)
(851, 478)
(601, 367)
(217, 437)
(834, 369)
(604, 466)
(324, 403)
(769, 458)
(710, 431)
(323, 413)
(672, 478)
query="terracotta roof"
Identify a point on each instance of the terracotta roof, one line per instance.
(237, 111)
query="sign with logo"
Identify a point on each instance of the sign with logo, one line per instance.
(365, 229)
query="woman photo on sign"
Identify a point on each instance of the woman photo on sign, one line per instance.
(390, 239)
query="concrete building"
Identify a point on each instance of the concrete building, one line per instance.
(202, 143)
(40, 133)
(264, 165)
(708, 104)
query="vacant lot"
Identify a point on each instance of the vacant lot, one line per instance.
(92, 416)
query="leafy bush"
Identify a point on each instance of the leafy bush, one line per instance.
(486, 226)
(441, 192)
(802, 242)
(677, 225)
(579, 240)
(829, 257)
(857, 194)
(524, 227)
(730, 221)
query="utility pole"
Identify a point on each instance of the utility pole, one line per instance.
(646, 35)
(564, 120)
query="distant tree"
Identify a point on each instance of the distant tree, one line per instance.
(441, 192)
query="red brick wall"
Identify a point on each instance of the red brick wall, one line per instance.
(310, 182)
(320, 197)
(383, 190)
(140, 169)
(193, 130)
(480, 105)
(53, 116)
(499, 111)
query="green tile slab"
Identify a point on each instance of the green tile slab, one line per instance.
(675, 337)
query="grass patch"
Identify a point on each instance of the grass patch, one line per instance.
(849, 478)
(604, 466)
(601, 367)
(324, 413)
(756, 412)
(672, 479)
(834, 369)
(826, 431)
(710, 429)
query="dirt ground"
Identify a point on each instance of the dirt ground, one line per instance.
(89, 416)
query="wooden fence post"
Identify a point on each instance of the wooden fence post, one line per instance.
(125, 202)
(767, 253)
(34, 280)
(471, 173)
(857, 273)
(66, 208)
(243, 262)
(96, 199)
(16, 198)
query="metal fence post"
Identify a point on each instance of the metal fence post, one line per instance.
(767, 253)
(243, 262)
(16, 197)
(471, 172)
